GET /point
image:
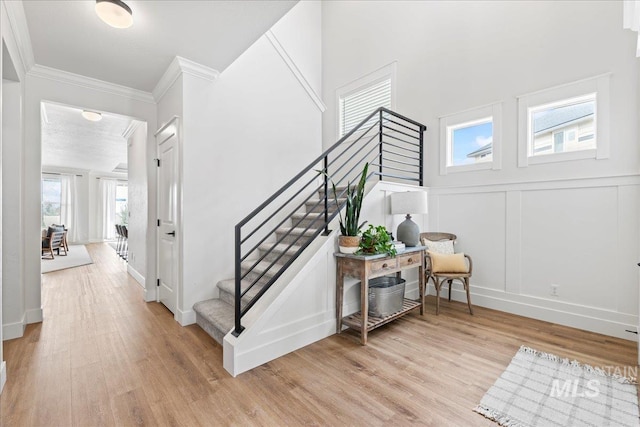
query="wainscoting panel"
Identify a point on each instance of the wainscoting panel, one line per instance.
(570, 239)
(581, 235)
(479, 222)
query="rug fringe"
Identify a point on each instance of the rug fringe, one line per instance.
(498, 417)
(575, 364)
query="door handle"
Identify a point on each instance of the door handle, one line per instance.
(173, 233)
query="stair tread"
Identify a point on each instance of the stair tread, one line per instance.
(217, 312)
(229, 286)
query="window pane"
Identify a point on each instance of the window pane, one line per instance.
(122, 207)
(471, 144)
(554, 129)
(51, 191)
(358, 105)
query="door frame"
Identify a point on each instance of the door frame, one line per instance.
(172, 126)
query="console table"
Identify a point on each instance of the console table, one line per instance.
(365, 267)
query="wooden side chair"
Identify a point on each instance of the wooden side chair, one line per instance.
(53, 241)
(443, 265)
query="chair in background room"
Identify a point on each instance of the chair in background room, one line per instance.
(443, 265)
(53, 241)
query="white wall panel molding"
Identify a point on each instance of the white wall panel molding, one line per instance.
(295, 70)
(180, 66)
(611, 181)
(61, 76)
(513, 231)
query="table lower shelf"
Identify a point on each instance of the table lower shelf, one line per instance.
(354, 320)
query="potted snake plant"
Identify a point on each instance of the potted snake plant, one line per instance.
(350, 226)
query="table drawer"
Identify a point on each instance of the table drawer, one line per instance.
(382, 265)
(409, 259)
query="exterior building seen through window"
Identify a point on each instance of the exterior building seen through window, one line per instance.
(562, 127)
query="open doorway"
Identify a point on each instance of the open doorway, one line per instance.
(85, 185)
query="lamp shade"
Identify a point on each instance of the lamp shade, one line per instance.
(409, 202)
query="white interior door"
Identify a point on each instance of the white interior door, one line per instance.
(168, 219)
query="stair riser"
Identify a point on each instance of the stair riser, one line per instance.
(273, 256)
(253, 275)
(211, 329)
(309, 222)
(320, 208)
(291, 238)
(231, 299)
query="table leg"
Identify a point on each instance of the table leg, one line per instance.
(421, 283)
(364, 305)
(339, 296)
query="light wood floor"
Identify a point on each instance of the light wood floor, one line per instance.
(104, 357)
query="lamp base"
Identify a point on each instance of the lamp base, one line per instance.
(408, 232)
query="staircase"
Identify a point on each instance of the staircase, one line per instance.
(273, 237)
(216, 315)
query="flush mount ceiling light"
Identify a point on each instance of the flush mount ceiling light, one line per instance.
(91, 115)
(115, 13)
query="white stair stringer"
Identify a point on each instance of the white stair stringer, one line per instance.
(275, 326)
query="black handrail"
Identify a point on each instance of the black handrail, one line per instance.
(251, 256)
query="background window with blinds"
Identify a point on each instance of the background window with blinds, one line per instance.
(357, 105)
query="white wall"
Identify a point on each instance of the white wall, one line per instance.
(137, 202)
(255, 126)
(12, 262)
(516, 222)
(55, 86)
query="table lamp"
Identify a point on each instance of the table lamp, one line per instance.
(409, 202)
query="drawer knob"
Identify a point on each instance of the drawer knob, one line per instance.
(410, 260)
(385, 265)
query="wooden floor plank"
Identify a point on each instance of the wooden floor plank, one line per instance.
(104, 357)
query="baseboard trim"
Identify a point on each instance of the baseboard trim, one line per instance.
(3, 375)
(185, 318)
(137, 276)
(239, 363)
(14, 330)
(34, 315)
(531, 308)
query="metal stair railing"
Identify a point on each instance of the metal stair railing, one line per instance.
(392, 145)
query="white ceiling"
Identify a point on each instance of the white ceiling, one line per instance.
(68, 35)
(71, 141)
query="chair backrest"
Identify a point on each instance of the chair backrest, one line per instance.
(56, 239)
(436, 236)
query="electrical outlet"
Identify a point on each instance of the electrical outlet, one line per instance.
(554, 290)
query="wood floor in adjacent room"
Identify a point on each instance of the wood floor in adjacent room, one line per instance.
(104, 357)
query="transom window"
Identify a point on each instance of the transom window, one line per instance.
(562, 127)
(565, 123)
(470, 140)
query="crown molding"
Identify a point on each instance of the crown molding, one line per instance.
(133, 126)
(45, 72)
(18, 35)
(179, 66)
(295, 70)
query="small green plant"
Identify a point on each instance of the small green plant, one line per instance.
(349, 224)
(376, 240)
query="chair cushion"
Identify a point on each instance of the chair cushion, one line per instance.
(440, 247)
(448, 263)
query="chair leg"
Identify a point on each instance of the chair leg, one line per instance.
(450, 286)
(466, 287)
(438, 284)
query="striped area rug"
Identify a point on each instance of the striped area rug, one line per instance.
(539, 389)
